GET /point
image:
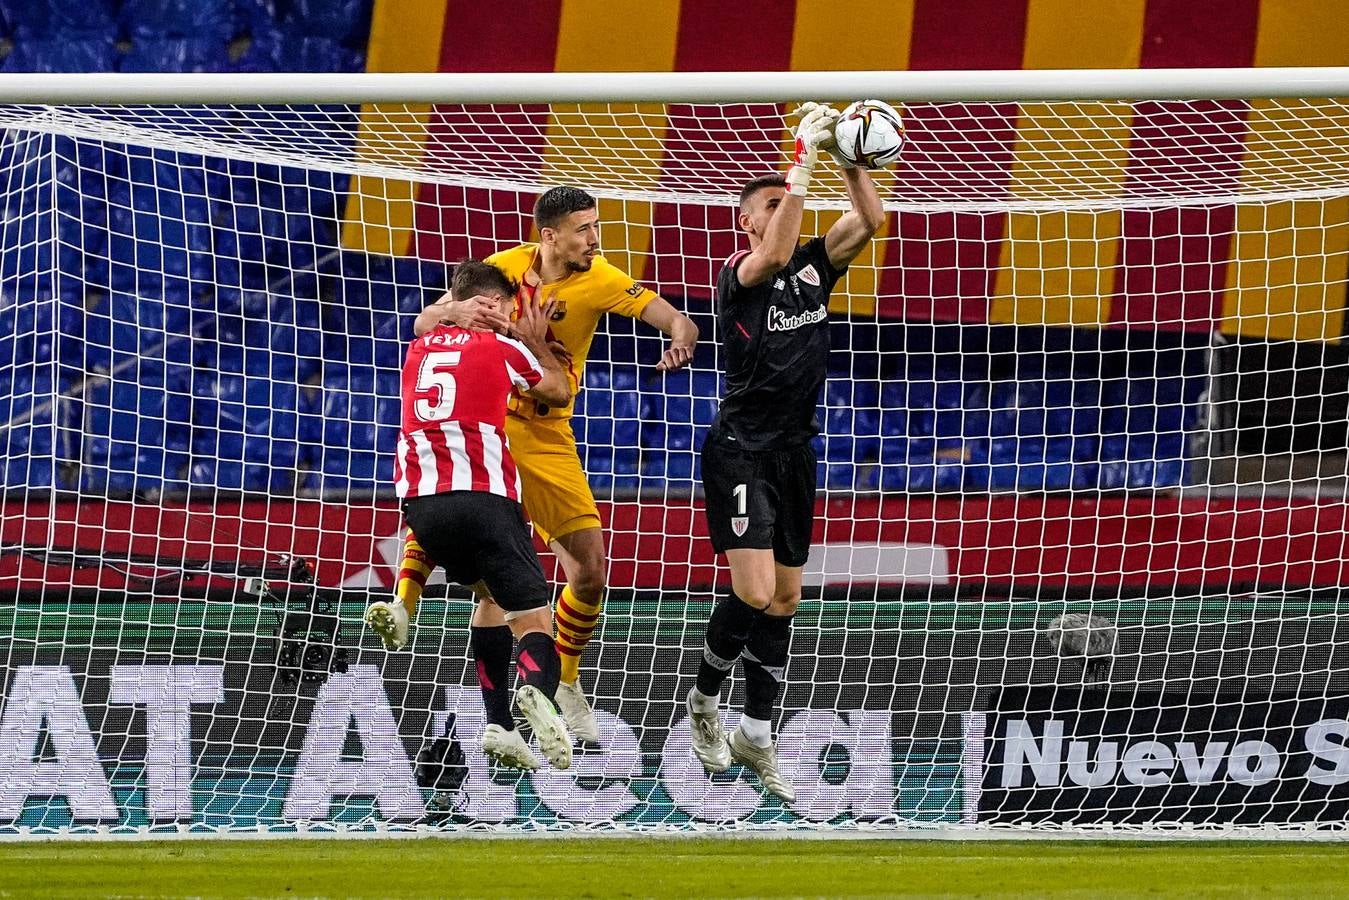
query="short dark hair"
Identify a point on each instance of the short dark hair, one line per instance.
(555, 204)
(758, 184)
(473, 277)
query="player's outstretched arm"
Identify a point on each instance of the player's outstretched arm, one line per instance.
(783, 233)
(531, 329)
(857, 226)
(475, 313)
(678, 327)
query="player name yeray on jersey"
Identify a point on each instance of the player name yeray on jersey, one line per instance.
(780, 321)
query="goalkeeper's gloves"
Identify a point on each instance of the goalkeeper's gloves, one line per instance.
(816, 129)
(830, 145)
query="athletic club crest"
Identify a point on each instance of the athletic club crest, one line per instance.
(739, 524)
(809, 276)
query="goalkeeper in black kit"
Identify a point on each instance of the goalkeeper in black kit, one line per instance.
(758, 463)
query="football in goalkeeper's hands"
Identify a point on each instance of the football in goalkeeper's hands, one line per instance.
(869, 134)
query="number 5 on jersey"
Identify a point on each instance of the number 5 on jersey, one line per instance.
(436, 378)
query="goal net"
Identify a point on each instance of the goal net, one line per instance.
(1081, 531)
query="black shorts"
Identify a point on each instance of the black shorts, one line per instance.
(759, 499)
(479, 536)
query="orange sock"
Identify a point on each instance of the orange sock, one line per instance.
(412, 574)
(575, 621)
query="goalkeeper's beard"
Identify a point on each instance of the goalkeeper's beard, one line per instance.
(582, 266)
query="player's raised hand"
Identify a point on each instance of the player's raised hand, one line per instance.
(477, 313)
(531, 325)
(813, 133)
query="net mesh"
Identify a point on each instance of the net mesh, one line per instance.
(1087, 379)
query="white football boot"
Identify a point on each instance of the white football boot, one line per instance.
(546, 724)
(576, 711)
(508, 748)
(390, 622)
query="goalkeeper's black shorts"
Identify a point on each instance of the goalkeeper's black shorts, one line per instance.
(759, 499)
(477, 536)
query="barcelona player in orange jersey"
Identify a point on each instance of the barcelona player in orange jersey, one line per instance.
(565, 268)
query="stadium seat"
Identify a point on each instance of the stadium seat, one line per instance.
(609, 468)
(679, 468)
(31, 460)
(59, 18)
(1113, 471)
(1115, 407)
(342, 474)
(176, 54)
(706, 384)
(915, 477)
(228, 475)
(276, 50)
(76, 52)
(27, 472)
(343, 21)
(201, 19)
(624, 378)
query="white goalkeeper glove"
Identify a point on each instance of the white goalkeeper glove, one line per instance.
(816, 129)
(830, 145)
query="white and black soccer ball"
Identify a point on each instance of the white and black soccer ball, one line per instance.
(870, 134)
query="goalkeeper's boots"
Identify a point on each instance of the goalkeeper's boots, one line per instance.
(508, 748)
(576, 711)
(546, 724)
(390, 622)
(764, 762)
(708, 740)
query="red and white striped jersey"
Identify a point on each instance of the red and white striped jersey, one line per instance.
(455, 386)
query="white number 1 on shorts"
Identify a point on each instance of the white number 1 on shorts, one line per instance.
(740, 499)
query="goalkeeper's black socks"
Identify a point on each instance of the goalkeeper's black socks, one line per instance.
(765, 660)
(728, 630)
(491, 648)
(537, 663)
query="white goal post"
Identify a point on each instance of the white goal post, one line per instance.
(1057, 588)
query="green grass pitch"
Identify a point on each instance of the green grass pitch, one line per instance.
(671, 867)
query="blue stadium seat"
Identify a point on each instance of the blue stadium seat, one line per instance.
(29, 455)
(608, 468)
(835, 476)
(706, 384)
(201, 19)
(27, 472)
(1086, 476)
(907, 464)
(1113, 470)
(851, 420)
(681, 468)
(679, 437)
(1004, 463)
(916, 477)
(58, 19)
(176, 54)
(894, 395)
(343, 21)
(1169, 473)
(867, 478)
(229, 475)
(342, 474)
(76, 52)
(1156, 461)
(278, 50)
